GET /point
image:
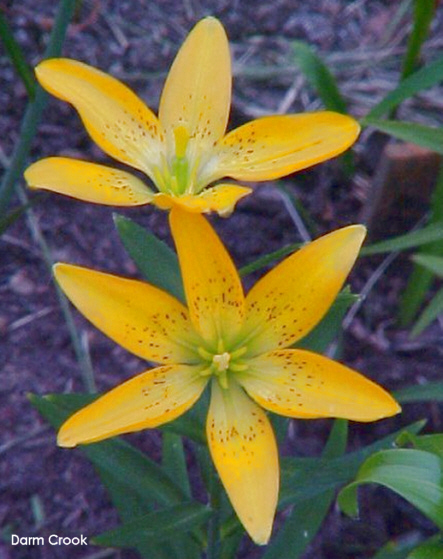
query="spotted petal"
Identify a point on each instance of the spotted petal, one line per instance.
(116, 119)
(145, 401)
(275, 146)
(197, 92)
(88, 181)
(292, 298)
(143, 319)
(302, 384)
(212, 285)
(221, 199)
(244, 451)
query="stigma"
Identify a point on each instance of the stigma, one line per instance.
(221, 361)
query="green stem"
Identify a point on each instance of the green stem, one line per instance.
(80, 352)
(34, 109)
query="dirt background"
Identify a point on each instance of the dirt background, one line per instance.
(46, 490)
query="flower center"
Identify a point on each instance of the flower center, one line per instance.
(178, 174)
(223, 363)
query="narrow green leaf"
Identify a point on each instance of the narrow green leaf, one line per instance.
(421, 279)
(35, 108)
(423, 14)
(323, 82)
(174, 461)
(230, 545)
(429, 443)
(429, 392)
(160, 525)
(395, 549)
(319, 76)
(134, 481)
(305, 478)
(414, 474)
(424, 136)
(133, 470)
(155, 260)
(424, 78)
(431, 312)
(131, 505)
(428, 234)
(307, 517)
(7, 220)
(17, 58)
(269, 259)
(431, 262)
(431, 549)
(330, 326)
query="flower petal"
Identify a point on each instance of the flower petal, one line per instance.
(197, 92)
(299, 383)
(244, 451)
(293, 297)
(221, 199)
(143, 319)
(275, 146)
(212, 285)
(116, 119)
(88, 181)
(145, 401)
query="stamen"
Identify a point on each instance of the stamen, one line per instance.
(205, 354)
(239, 352)
(223, 380)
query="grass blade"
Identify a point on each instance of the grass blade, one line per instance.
(423, 13)
(35, 108)
(424, 236)
(17, 57)
(431, 312)
(421, 278)
(430, 392)
(424, 136)
(424, 78)
(319, 77)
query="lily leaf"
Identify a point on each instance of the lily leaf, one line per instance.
(304, 478)
(430, 392)
(155, 260)
(160, 525)
(319, 76)
(424, 136)
(414, 474)
(425, 78)
(306, 518)
(428, 234)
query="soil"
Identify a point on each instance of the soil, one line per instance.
(46, 490)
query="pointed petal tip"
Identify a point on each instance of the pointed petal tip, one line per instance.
(211, 23)
(65, 439)
(263, 536)
(59, 270)
(357, 233)
(47, 66)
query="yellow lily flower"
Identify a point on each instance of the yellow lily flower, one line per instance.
(185, 149)
(237, 344)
